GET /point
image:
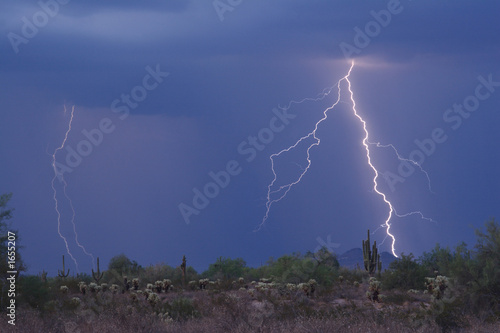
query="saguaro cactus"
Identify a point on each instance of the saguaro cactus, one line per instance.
(183, 269)
(97, 276)
(371, 258)
(62, 273)
(43, 276)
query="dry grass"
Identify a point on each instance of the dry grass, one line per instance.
(237, 311)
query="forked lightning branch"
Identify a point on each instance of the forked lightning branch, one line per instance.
(276, 193)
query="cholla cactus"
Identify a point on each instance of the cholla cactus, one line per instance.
(126, 283)
(64, 289)
(93, 287)
(356, 284)
(264, 280)
(308, 287)
(135, 283)
(341, 278)
(153, 299)
(436, 286)
(291, 286)
(203, 283)
(241, 281)
(146, 293)
(83, 287)
(114, 288)
(158, 286)
(312, 287)
(192, 285)
(165, 317)
(413, 291)
(261, 286)
(75, 301)
(134, 296)
(149, 286)
(104, 287)
(373, 292)
(167, 284)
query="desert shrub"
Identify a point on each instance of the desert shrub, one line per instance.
(122, 265)
(486, 286)
(181, 309)
(351, 275)
(404, 273)
(226, 269)
(33, 291)
(438, 260)
(448, 313)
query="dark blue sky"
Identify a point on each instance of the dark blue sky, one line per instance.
(421, 67)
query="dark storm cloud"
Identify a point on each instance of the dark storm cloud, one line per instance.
(106, 45)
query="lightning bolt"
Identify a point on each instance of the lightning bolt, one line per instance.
(379, 145)
(283, 190)
(60, 175)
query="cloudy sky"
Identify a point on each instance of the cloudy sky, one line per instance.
(169, 95)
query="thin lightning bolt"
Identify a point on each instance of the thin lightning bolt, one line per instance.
(379, 145)
(60, 175)
(286, 188)
(283, 190)
(74, 225)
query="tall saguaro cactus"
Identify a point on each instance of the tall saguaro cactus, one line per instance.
(62, 273)
(371, 258)
(97, 275)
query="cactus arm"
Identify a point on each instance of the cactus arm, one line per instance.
(62, 273)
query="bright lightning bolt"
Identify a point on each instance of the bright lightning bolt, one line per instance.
(283, 190)
(58, 174)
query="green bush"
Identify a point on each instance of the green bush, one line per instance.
(33, 291)
(404, 273)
